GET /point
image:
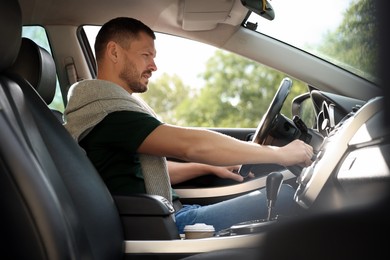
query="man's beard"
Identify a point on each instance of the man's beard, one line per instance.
(131, 76)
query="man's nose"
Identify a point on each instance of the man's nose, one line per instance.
(153, 66)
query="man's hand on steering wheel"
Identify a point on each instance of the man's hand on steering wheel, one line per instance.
(269, 118)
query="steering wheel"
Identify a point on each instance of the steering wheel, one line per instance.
(268, 120)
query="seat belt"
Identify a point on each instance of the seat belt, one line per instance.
(71, 72)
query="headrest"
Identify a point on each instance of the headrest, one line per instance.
(10, 31)
(36, 65)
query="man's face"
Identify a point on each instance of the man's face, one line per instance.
(138, 64)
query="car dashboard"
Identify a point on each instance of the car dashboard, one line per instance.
(351, 167)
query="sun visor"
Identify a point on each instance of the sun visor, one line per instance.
(201, 15)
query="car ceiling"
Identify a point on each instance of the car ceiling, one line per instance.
(180, 17)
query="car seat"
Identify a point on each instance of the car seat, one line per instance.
(36, 65)
(53, 204)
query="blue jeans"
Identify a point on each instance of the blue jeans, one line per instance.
(243, 208)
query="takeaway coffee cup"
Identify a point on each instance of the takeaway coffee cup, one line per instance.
(198, 230)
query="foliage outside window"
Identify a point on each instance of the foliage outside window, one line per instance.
(236, 93)
(346, 36)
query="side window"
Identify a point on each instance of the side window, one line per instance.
(202, 86)
(39, 36)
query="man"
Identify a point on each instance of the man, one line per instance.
(128, 145)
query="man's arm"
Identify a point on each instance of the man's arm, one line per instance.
(181, 172)
(209, 147)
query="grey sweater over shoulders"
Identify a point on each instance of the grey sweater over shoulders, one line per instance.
(90, 101)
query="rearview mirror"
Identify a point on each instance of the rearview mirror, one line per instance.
(260, 7)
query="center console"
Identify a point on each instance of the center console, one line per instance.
(150, 228)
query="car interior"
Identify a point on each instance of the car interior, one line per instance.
(55, 205)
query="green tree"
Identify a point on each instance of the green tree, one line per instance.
(237, 93)
(165, 97)
(356, 41)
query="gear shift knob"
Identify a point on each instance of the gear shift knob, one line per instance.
(273, 183)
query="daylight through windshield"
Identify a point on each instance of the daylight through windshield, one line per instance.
(343, 32)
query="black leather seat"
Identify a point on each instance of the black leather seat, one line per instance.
(36, 66)
(53, 203)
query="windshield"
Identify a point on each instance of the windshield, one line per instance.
(343, 32)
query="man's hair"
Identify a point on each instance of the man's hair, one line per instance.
(121, 30)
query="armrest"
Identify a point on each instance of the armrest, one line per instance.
(143, 204)
(146, 217)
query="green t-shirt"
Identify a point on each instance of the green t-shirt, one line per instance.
(112, 148)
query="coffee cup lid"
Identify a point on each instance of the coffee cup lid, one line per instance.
(199, 227)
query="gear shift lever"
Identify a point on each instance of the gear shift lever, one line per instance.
(273, 183)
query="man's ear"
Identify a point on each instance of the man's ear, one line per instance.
(112, 51)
